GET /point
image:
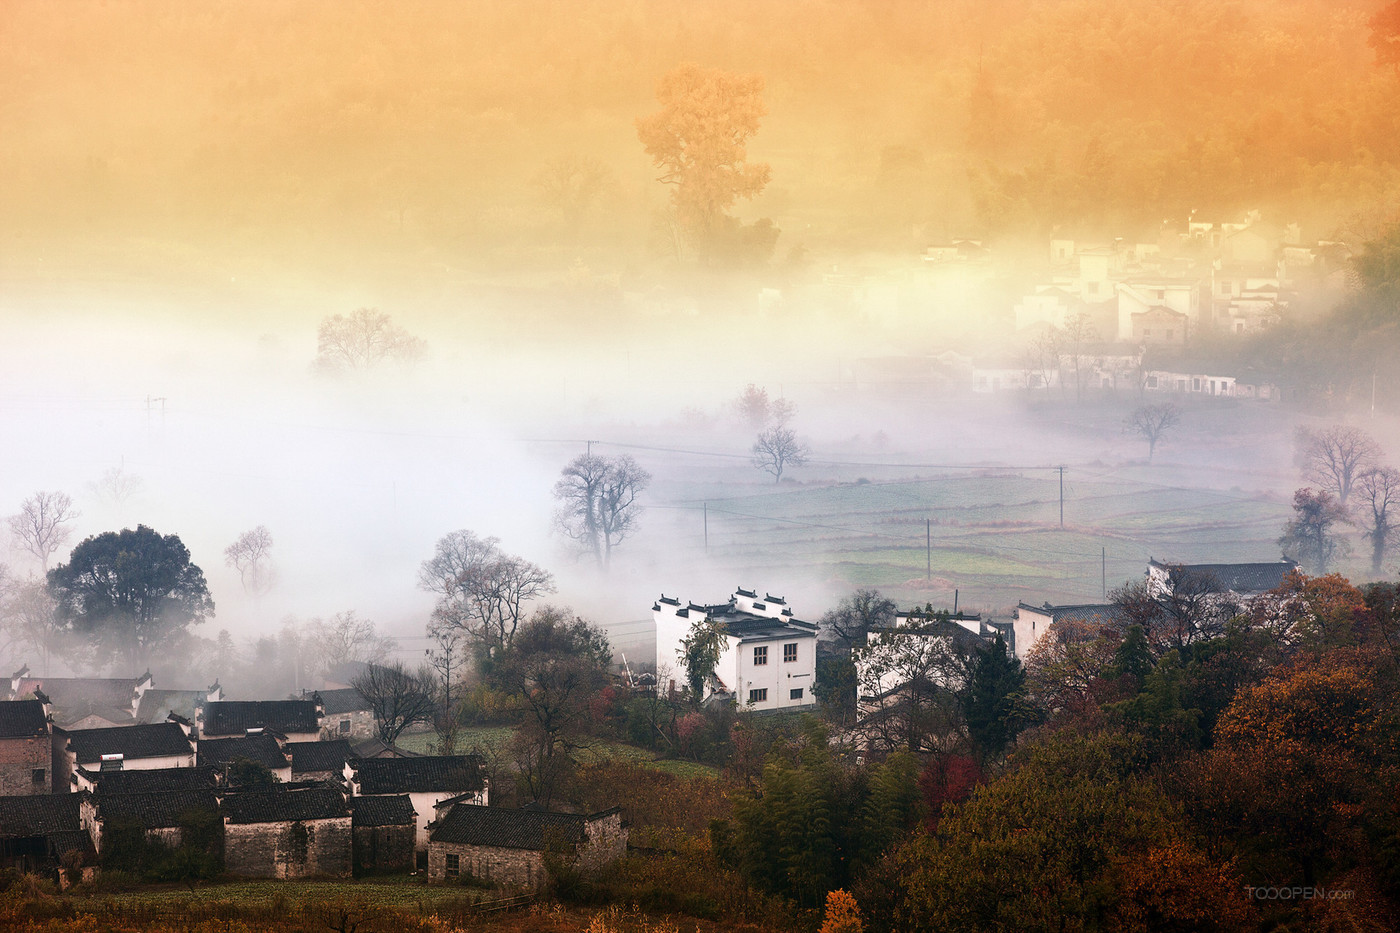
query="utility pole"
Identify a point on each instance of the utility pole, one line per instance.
(928, 548)
(706, 507)
(589, 448)
(1062, 495)
(1103, 556)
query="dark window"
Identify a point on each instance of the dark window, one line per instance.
(758, 696)
(38, 775)
(345, 727)
(790, 652)
(760, 655)
(453, 864)
(795, 694)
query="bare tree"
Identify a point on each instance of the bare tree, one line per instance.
(1334, 457)
(43, 524)
(759, 411)
(363, 340)
(598, 502)
(572, 185)
(1043, 356)
(856, 615)
(907, 684)
(481, 590)
(1079, 332)
(397, 698)
(1151, 423)
(343, 638)
(777, 449)
(1380, 491)
(116, 486)
(31, 616)
(249, 555)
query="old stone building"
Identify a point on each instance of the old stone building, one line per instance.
(262, 748)
(385, 829)
(26, 748)
(153, 781)
(291, 833)
(38, 829)
(162, 816)
(509, 847)
(428, 781)
(294, 720)
(319, 761)
(348, 714)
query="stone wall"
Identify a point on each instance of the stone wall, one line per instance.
(289, 849)
(383, 849)
(606, 842)
(19, 759)
(511, 868)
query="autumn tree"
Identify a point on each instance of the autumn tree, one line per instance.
(698, 655)
(778, 448)
(1152, 423)
(598, 505)
(1335, 457)
(1380, 498)
(130, 593)
(43, 524)
(909, 682)
(1066, 669)
(1309, 537)
(345, 638)
(698, 140)
(250, 554)
(482, 591)
(363, 340)
(1385, 34)
(759, 411)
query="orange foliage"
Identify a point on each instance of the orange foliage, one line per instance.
(842, 914)
(1177, 887)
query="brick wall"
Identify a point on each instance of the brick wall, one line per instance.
(289, 850)
(383, 848)
(19, 759)
(511, 868)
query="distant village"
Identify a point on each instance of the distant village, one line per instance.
(1152, 315)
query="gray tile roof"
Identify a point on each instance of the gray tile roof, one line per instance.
(236, 717)
(22, 718)
(279, 806)
(343, 700)
(455, 773)
(156, 740)
(154, 810)
(264, 749)
(40, 814)
(496, 827)
(155, 705)
(154, 780)
(1240, 578)
(320, 756)
(1094, 613)
(382, 810)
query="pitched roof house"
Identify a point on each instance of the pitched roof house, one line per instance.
(287, 833)
(1032, 622)
(507, 847)
(159, 745)
(385, 830)
(427, 781)
(262, 747)
(1248, 579)
(294, 720)
(36, 830)
(152, 781)
(84, 702)
(159, 815)
(319, 761)
(25, 747)
(157, 705)
(347, 713)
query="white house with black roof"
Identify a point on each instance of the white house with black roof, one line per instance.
(260, 747)
(151, 781)
(1241, 580)
(293, 720)
(427, 781)
(1030, 623)
(769, 659)
(132, 748)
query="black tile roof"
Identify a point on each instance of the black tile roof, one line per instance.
(280, 806)
(40, 814)
(528, 828)
(22, 718)
(1095, 613)
(155, 740)
(93, 693)
(456, 773)
(382, 810)
(264, 749)
(377, 748)
(236, 717)
(1240, 578)
(151, 781)
(343, 700)
(155, 705)
(154, 810)
(320, 756)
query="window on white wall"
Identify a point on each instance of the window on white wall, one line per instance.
(790, 653)
(758, 696)
(760, 655)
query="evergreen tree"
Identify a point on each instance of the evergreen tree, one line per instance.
(994, 702)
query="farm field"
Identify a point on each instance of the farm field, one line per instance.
(494, 738)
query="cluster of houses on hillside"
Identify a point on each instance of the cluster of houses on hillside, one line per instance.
(1132, 312)
(89, 760)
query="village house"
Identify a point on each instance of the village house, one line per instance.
(509, 847)
(293, 720)
(385, 830)
(769, 657)
(295, 832)
(38, 830)
(159, 816)
(260, 747)
(1240, 581)
(1030, 623)
(1158, 304)
(157, 705)
(159, 745)
(319, 761)
(84, 702)
(26, 748)
(155, 780)
(427, 781)
(347, 714)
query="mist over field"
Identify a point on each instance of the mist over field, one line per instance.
(193, 189)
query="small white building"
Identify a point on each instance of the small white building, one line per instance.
(769, 659)
(1032, 622)
(1238, 580)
